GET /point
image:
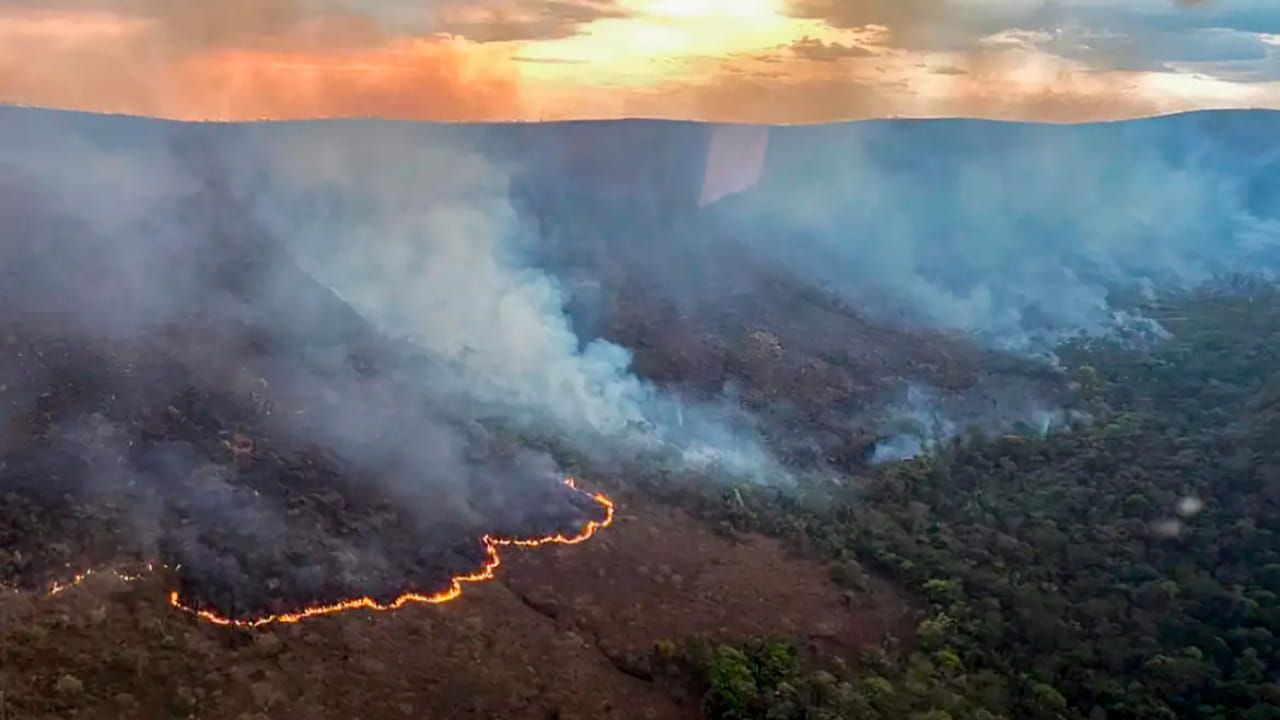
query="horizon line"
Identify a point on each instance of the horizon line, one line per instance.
(627, 119)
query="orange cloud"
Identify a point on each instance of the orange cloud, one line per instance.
(63, 29)
(405, 79)
(221, 63)
(910, 22)
(777, 61)
(504, 20)
(997, 84)
(1017, 84)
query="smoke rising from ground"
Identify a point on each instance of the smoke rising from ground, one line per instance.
(419, 237)
(1016, 236)
(418, 232)
(918, 420)
(164, 351)
(270, 266)
(468, 243)
(1019, 234)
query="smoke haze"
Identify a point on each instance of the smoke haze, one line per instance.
(407, 313)
(1020, 234)
(167, 353)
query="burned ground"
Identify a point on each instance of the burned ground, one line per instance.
(272, 450)
(175, 415)
(564, 632)
(128, 456)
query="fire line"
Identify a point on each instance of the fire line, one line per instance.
(486, 572)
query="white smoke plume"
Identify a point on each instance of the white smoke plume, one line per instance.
(1018, 234)
(416, 230)
(113, 225)
(344, 311)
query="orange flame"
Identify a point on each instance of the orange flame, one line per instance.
(485, 572)
(58, 587)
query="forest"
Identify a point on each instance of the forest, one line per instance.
(1121, 566)
(1124, 568)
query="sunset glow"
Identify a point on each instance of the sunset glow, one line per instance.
(747, 60)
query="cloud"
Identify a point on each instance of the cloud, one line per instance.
(502, 59)
(524, 19)
(1145, 32)
(902, 17)
(1245, 15)
(1154, 34)
(1007, 83)
(808, 48)
(185, 26)
(245, 60)
(1138, 51)
(943, 25)
(203, 23)
(248, 59)
(548, 60)
(747, 99)
(405, 79)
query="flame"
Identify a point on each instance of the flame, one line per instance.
(58, 587)
(486, 572)
(79, 578)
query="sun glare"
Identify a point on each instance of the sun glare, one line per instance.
(663, 38)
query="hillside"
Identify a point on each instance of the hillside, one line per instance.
(293, 364)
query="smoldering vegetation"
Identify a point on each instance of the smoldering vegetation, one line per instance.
(312, 360)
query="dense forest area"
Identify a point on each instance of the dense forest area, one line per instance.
(1125, 568)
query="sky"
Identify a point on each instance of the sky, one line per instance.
(749, 61)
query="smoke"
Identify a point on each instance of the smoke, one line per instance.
(916, 426)
(165, 352)
(1014, 237)
(922, 420)
(417, 231)
(1019, 235)
(411, 226)
(418, 236)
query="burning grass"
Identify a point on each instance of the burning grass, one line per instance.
(136, 452)
(452, 592)
(487, 571)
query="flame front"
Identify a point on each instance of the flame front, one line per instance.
(485, 572)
